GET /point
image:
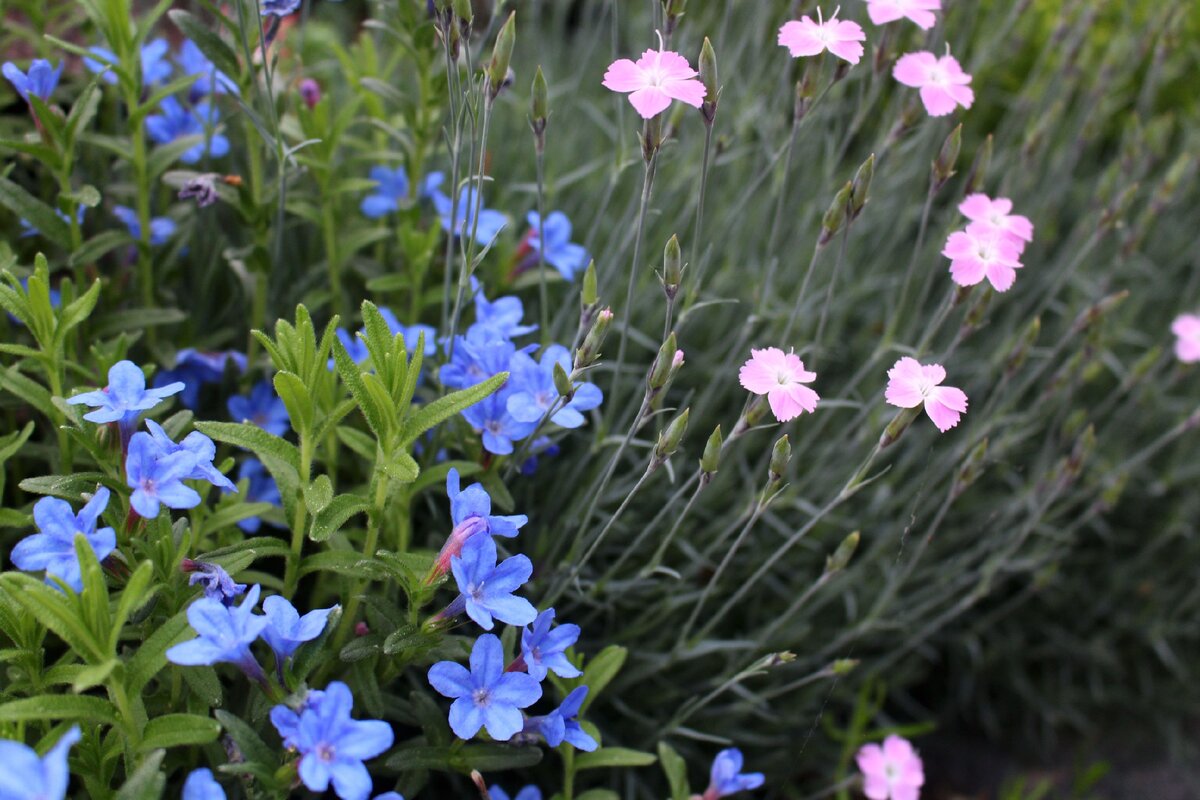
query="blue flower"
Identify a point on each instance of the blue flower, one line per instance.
(463, 221)
(534, 393)
(157, 476)
(544, 648)
(27, 228)
(260, 489)
(175, 122)
(559, 251)
(279, 8)
(201, 785)
(562, 724)
(161, 228)
(223, 634)
(487, 588)
(391, 188)
(262, 408)
(287, 630)
(155, 67)
(25, 776)
(473, 506)
(527, 793)
(479, 355)
(216, 581)
(125, 397)
(486, 696)
(53, 547)
(198, 445)
(40, 81)
(499, 428)
(211, 80)
(727, 777)
(194, 368)
(331, 744)
(502, 315)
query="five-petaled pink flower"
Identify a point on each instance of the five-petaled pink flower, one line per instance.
(891, 772)
(654, 80)
(982, 252)
(910, 384)
(781, 377)
(804, 37)
(1187, 346)
(998, 215)
(882, 12)
(941, 80)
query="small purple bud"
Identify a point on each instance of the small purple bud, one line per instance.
(310, 92)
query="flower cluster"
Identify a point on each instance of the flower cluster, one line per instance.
(991, 245)
(530, 395)
(490, 694)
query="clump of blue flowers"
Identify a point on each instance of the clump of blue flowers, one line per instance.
(53, 548)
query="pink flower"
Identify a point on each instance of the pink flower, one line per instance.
(1187, 346)
(980, 208)
(982, 252)
(882, 12)
(941, 80)
(891, 772)
(804, 37)
(657, 78)
(909, 385)
(781, 377)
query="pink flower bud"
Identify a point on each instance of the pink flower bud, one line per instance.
(310, 92)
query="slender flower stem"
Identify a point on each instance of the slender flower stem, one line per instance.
(464, 274)
(543, 306)
(694, 284)
(837, 269)
(647, 186)
(818, 248)
(898, 308)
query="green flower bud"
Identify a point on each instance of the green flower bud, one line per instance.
(464, 10)
(781, 454)
(589, 351)
(660, 373)
(669, 439)
(898, 426)
(861, 187)
(943, 165)
(708, 76)
(837, 561)
(589, 297)
(539, 106)
(652, 137)
(835, 217)
(1020, 351)
(970, 469)
(711, 458)
(672, 267)
(562, 382)
(843, 666)
(502, 55)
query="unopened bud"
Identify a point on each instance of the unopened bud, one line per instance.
(860, 188)
(781, 454)
(672, 11)
(943, 165)
(502, 55)
(588, 296)
(835, 217)
(1113, 214)
(708, 76)
(652, 137)
(672, 274)
(898, 426)
(660, 373)
(562, 382)
(310, 92)
(1095, 312)
(970, 469)
(589, 351)
(979, 168)
(839, 558)
(843, 666)
(480, 784)
(669, 439)
(539, 108)
(464, 10)
(777, 659)
(710, 460)
(975, 316)
(806, 90)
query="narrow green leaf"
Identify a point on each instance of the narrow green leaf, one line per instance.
(676, 770)
(334, 515)
(29, 208)
(210, 44)
(613, 757)
(600, 671)
(245, 737)
(59, 706)
(446, 407)
(175, 730)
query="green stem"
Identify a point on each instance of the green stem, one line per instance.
(544, 310)
(292, 572)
